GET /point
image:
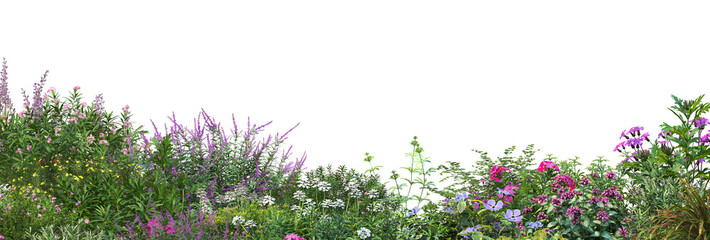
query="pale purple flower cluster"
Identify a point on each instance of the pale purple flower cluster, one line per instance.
(584, 181)
(5, 101)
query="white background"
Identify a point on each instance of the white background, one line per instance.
(367, 76)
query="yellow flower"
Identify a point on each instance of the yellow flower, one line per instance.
(41, 183)
(34, 174)
(102, 170)
(76, 178)
(102, 158)
(66, 174)
(81, 177)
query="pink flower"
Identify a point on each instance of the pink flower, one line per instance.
(544, 165)
(293, 236)
(566, 179)
(77, 88)
(84, 104)
(609, 175)
(496, 172)
(19, 150)
(77, 203)
(57, 130)
(170, 229)
(125, 151)
(51, 89)
(103, 142)
(125, 108)
(86, 221)
(49, 140)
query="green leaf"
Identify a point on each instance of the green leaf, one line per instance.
(461, 206)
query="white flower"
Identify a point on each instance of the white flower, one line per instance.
(299, 195)
(267, 200)
(338, 203)
(376, 207)
(326, 203)
(249, 224)
(304, 185)
(372, 193)
(237, 220)
(295, 208)
(4, 187)
(323, 186)
(363, 233)
(310, 202)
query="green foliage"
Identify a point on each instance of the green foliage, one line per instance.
(688, 218)
(66, 232)
(417, 166)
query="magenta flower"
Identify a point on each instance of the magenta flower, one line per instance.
(609, 175)
(544, 165)
(77, 88)
(701, 122)
(170, 229)
(293, 236)
(496, 172)
(566, 179)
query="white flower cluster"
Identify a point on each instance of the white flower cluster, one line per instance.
(376, 207)
(205, 205)
(323, 186)
(333, 204)
(363, 233)
(372, 193)
(267, 200)
(310, 202)
(352, 187)
(4, 188)
(300, 195)
(238, 220)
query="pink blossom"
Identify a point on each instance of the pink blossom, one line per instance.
(544, 165)
(84, 104)
(19, 150)
(51, 89)
(103, 142)
(125, 151)
(497, 171)
(77, 88)
(49, 140)
(101, 135)
(125, 108)
(566, 179)
(86, 221)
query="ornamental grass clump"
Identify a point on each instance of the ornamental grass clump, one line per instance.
(686, 219)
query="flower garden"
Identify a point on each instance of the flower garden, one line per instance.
(72, 170)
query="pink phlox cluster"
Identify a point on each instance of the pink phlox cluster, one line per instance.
(565, 179)
(496, 172)
(544, 165)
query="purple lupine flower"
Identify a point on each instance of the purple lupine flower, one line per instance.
(5, 101)
(38, 101)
